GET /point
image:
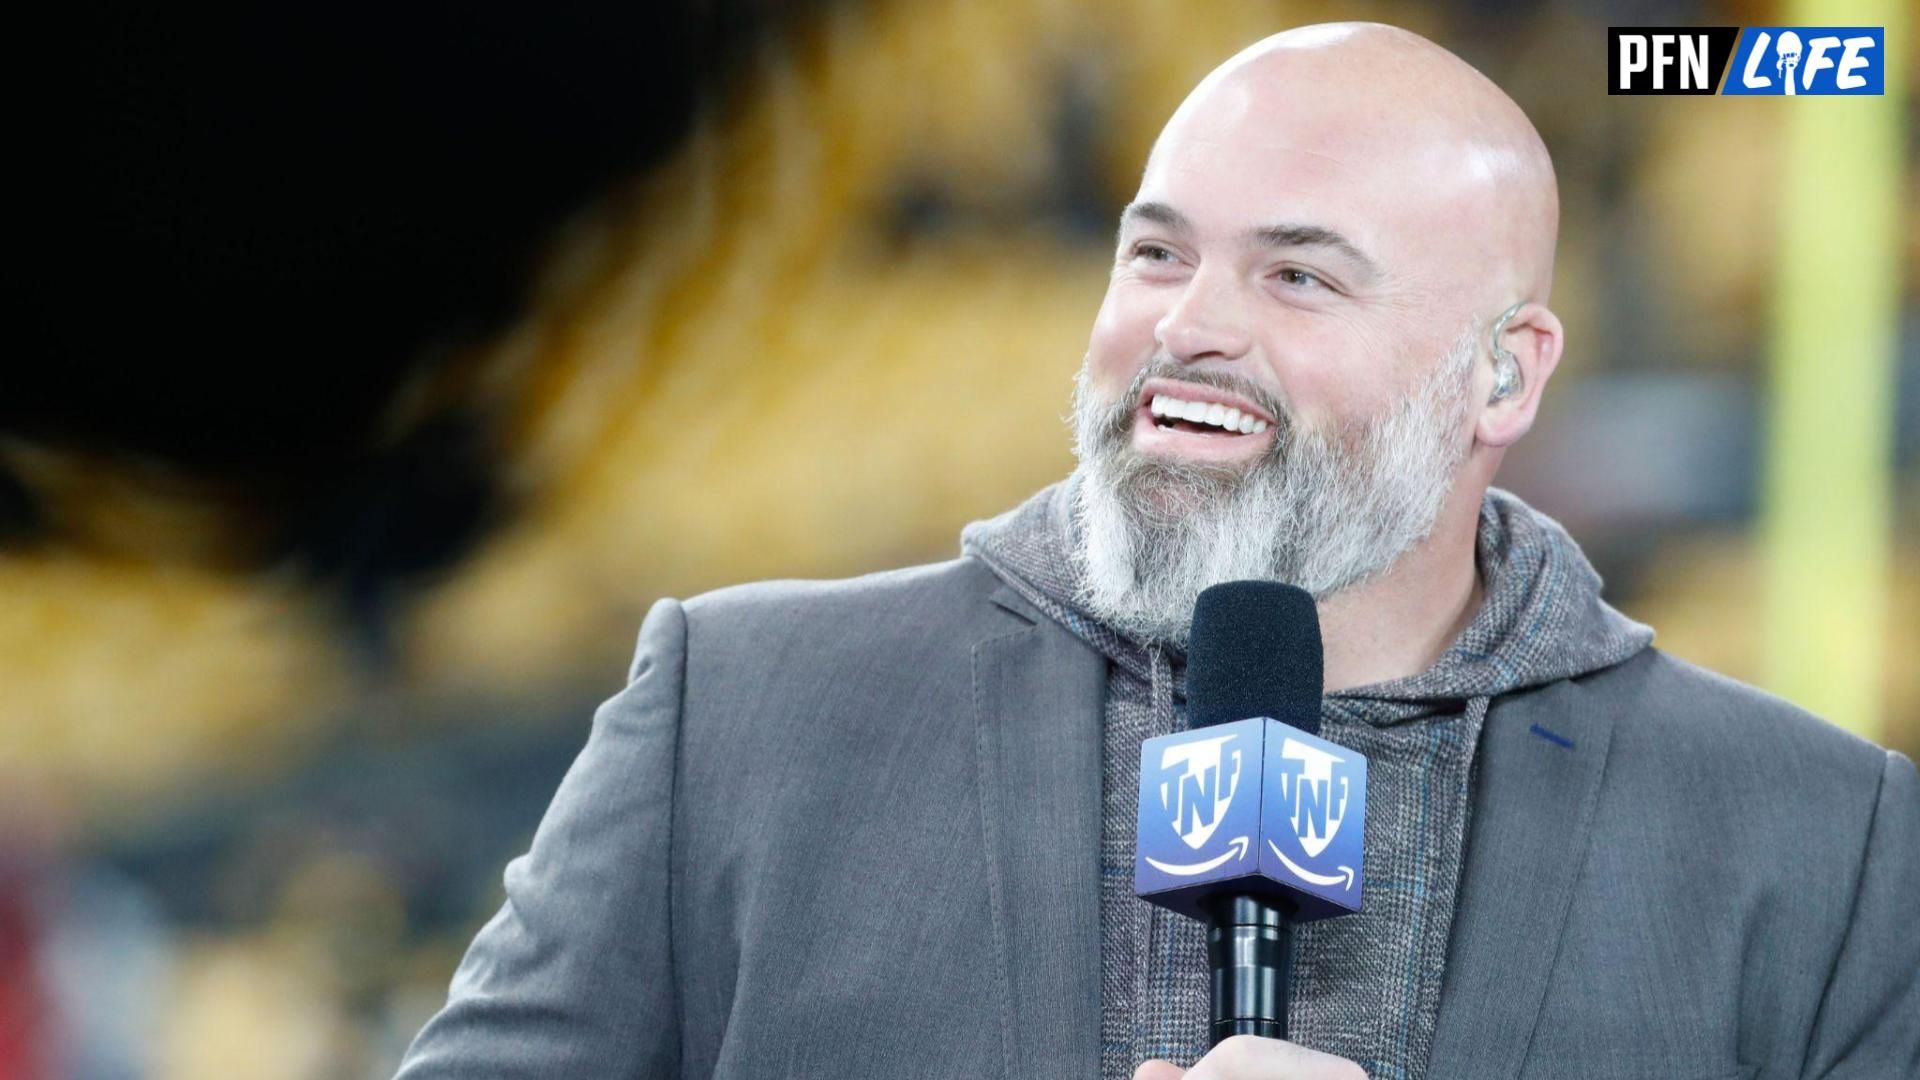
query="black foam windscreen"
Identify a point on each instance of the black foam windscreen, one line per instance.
(1255, 651)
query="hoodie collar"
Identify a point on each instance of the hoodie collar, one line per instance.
(1541, 617)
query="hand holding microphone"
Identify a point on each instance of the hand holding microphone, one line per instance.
(1249, 820)
(1245, 1057)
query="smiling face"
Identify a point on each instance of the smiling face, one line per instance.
(1281, 381)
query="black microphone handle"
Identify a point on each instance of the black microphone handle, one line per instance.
(1250, 961)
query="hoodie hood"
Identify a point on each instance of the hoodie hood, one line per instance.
(1541, 618)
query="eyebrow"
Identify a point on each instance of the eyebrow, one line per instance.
(1269, 236)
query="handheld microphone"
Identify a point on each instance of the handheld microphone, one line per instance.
(1248, 819)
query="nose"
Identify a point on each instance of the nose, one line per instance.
(1204, 323)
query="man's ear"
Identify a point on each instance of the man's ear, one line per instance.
(1533, 338)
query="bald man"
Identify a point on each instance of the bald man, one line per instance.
(885, 827)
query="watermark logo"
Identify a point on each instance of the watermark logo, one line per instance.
(1793, 61)
(1790, 61)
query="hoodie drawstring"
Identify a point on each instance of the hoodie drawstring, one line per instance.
(1162, 672)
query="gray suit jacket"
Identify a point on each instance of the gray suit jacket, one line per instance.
(848, 829)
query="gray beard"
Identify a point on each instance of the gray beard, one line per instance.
(1321, 510)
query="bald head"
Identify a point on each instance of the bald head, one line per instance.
(1443, 166)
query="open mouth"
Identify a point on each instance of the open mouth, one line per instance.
(1202, 417)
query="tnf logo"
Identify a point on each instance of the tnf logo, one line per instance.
(1786, 60)
(1313, 796)
(1198, 794)
(1313, 788)
(1197, 779)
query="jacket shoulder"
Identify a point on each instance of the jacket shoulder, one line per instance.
(891, 619)
(904, 595)
(1730, 735)
(1706, 704)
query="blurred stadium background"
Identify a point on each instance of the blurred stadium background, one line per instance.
(381, 366)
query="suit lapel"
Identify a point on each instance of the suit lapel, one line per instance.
(1534, 796)
(1037, 694)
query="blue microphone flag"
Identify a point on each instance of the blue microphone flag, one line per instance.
(1251, 807)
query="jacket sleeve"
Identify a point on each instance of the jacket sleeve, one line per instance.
(1868, 1025)
(574, 976)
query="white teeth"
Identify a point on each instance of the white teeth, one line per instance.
(1205, 412)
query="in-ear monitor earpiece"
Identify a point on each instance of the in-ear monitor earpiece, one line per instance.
(1506, 368)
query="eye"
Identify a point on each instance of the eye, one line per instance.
(1300, 279)
(1152, 252)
